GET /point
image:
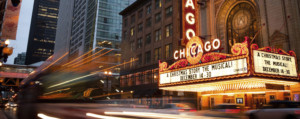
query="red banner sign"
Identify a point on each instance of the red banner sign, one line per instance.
(189, 20)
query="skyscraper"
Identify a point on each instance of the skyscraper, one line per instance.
(96, 24)
(42, 30)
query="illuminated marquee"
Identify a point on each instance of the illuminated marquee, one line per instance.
(226, 68)
(189, 20)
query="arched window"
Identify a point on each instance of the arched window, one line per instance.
(241, 22)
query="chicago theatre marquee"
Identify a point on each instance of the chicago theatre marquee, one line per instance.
(250, 75)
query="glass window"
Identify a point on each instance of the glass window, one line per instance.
(158, 35)
(157, 17)
(169, 11)
(140, 13)
(140, 27)
(139, 43)
(148, 9)
(168, 50)
(148, 22)
(148, 57)
(168, 1)
(132, 31)
(140, 59)
(125, 22)
(157, 3)
(157, 54)
(148, 38)
(132, 46)
(125, 35)
(132, 19)
(169, 30)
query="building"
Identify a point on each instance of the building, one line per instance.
(88, 39)
(151, 31)
(96, 24)
(266, 23)
(64, 28)
(20, 59)
(42, 31)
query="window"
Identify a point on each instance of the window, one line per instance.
(148, 57)
(148, 38)
(148, 9)
(140, 59)
(140, 14)
(157, 54)
(168, 50)
(169, 11)
(140, 27)
(132, 19)
(158, 35)
(131, 46)
(157, 3)
(139, 43)
(132, 31)
(125, 22)
(148, 22)
(168, 1)
(169, 30)
(157, 17)
(125, 35)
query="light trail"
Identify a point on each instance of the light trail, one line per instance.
(103, 117)
(55, 61)
(43, 116)
(76, 65)
(71, 80)
(80, 57)
(117, 65)
(86, 57)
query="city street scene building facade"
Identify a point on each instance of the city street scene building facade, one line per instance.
(222, 27)
(42, 31)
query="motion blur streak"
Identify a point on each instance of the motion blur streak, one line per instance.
(147, 115)
(56, 61)
(86, 58)
(57, 91)
(91, 59)
(103, 117)
(79, 57)
(43, 116)
(71, 80)
(117, 65)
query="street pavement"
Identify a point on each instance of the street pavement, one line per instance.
(2, 115)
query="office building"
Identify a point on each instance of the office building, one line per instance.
(20, 59)
(42, 31)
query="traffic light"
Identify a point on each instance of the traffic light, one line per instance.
(15, 3)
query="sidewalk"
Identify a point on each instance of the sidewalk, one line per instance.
(2, 115)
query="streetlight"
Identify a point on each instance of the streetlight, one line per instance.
(7, 42)
(1, 63)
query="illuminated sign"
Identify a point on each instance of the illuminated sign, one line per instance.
(195, 49)
(226, 68)
(275, 64)
(189, 20)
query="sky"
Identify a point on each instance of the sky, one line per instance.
(20, 44)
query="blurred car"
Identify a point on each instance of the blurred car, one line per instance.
(228, 108)
(276, 110)
(11, 104)
(181, 107)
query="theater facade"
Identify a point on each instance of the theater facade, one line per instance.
(251, 76)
